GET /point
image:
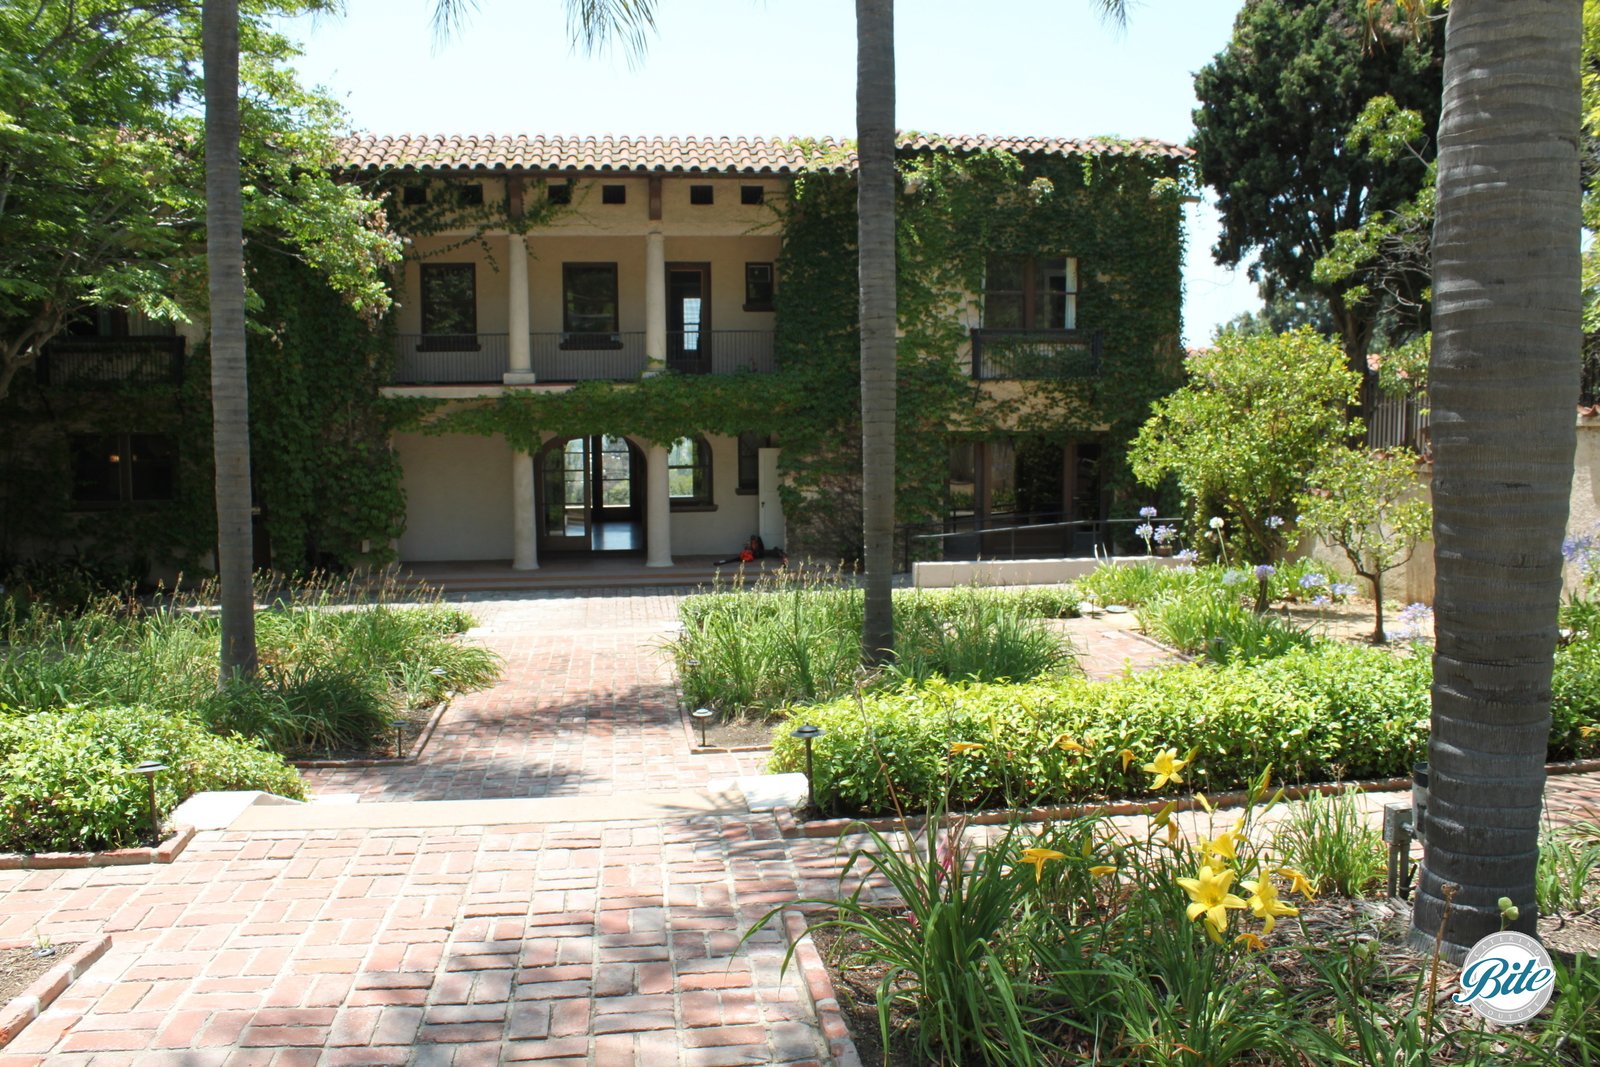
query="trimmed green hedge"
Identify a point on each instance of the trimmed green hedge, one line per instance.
(61, 786)
(1317, 714)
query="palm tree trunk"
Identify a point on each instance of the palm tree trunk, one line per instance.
(1504, 377)
(230, 400)
(876, 183)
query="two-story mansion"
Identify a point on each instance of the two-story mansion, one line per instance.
(536, 263)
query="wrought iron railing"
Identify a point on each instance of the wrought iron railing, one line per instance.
(721, 351)
(1035, 354)
(1394, 421)
(1026, 535)
(581, 357)
(482, 359)
(92, 361)
(445, 359)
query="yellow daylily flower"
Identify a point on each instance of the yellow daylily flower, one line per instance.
(1066, 744)
(1225, 846)
(1588, 731)
(1264, 903)
(1166, 767)
(1103, 869)
(960, 747)
(1039, 857)
(1127, 757)
(1164, 816)
(1210, 898)
(1172, 833)
(1298, 883)
(1204, 803)
(1250, 941)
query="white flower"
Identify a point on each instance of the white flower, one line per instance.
(1216, 522)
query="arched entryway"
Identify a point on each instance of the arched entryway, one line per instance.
(590, 495)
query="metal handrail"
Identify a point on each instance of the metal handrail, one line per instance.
(1099, 526)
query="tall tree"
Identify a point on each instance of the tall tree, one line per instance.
(876, 188)
(230, 391)
(1506, 344)
(1275, 111)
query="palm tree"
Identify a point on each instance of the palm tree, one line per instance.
(230, 393)
(876, 187)
(1504, 378)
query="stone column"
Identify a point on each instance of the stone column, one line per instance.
(520, 365)
(524, 530)
(655, 301)
(657, 509)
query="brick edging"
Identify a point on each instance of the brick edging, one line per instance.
(424, 735)
(789, 826)
(26, 1006)
(819, 991)
(165, 852)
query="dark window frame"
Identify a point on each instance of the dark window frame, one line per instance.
(613, 194)
(470, 195)
(413, 195)
(750, 444)
(753, 301)
(122, 463)
(447, 340)
(559, 193)
(699, 466)
(752, 195)
(589, 339)
(702, 195)
(1033, 268)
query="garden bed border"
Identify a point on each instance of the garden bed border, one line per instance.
(690, 734)
(424, 735)
(165, 852)
(789, 826)
(28, 1005)
(819, 990)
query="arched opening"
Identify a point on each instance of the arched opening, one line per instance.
(589, 495)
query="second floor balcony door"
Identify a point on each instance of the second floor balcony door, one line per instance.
(689, 317)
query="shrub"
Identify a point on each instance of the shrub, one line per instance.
(61, 780)
(1220, 628)
(1317, 714)
(1329, 839)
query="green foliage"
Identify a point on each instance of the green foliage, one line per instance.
(61, 780)
(1257, 417)
(103, 175)
(797, 640)
(1565, 882)
(1286, 185)
(1369, 505)
(1220, 628)
(1328, 839)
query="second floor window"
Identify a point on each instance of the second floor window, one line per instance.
(589, 298)
(1031, 293)
(449, 299)
(123, 468)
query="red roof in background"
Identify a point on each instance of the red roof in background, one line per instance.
(690, 155)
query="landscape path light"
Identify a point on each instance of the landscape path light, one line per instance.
(399, 725)
(809, 733)
(149, 769)
(702, 719)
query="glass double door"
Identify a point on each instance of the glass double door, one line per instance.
(689, 317)
(590, 496)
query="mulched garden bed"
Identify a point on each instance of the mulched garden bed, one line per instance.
(380, 748)
(19, 967)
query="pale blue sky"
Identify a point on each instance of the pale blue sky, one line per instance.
(1046, 67)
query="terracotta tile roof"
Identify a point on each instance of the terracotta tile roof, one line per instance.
(688, 155)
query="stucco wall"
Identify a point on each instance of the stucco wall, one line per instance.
(458, 497)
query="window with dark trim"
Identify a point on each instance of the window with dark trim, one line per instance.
(559, 194)
(689, 471)
(750, 446)
(450, 304)
(413, 195)
(701, 195)
(613, 194)
(752, 194)
(114, 469)
(758, 287)
(469, 195)
(589, 305)
(1030, 293)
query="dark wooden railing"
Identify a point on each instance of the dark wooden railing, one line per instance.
(99, 361)
(483, 359)
(1035, 354)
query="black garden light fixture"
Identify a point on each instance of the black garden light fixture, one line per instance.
(149, 769)
(702, 719)
(809, 733)
(399, 725)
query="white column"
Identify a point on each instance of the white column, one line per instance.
(655, 301)
(770, 517)
(657, 509)
(520, 368)
(524, 533)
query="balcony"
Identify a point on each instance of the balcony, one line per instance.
(484, 358)
(1000, 355)
(112, 361)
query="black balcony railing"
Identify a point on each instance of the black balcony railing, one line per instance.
(1027, 535)
(1394, 421)
(720, 351)
(1034, 354)
(103, 361)
(483, 359)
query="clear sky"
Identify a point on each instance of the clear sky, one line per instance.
(766, 67)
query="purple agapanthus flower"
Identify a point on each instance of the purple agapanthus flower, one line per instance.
(1232, 577)
(1265, 571)
(1274, 522)
(1321, 601)
(1313, 581)
(1342, 589)
(1147, 512)
(1187, 555)
(1165, 534)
